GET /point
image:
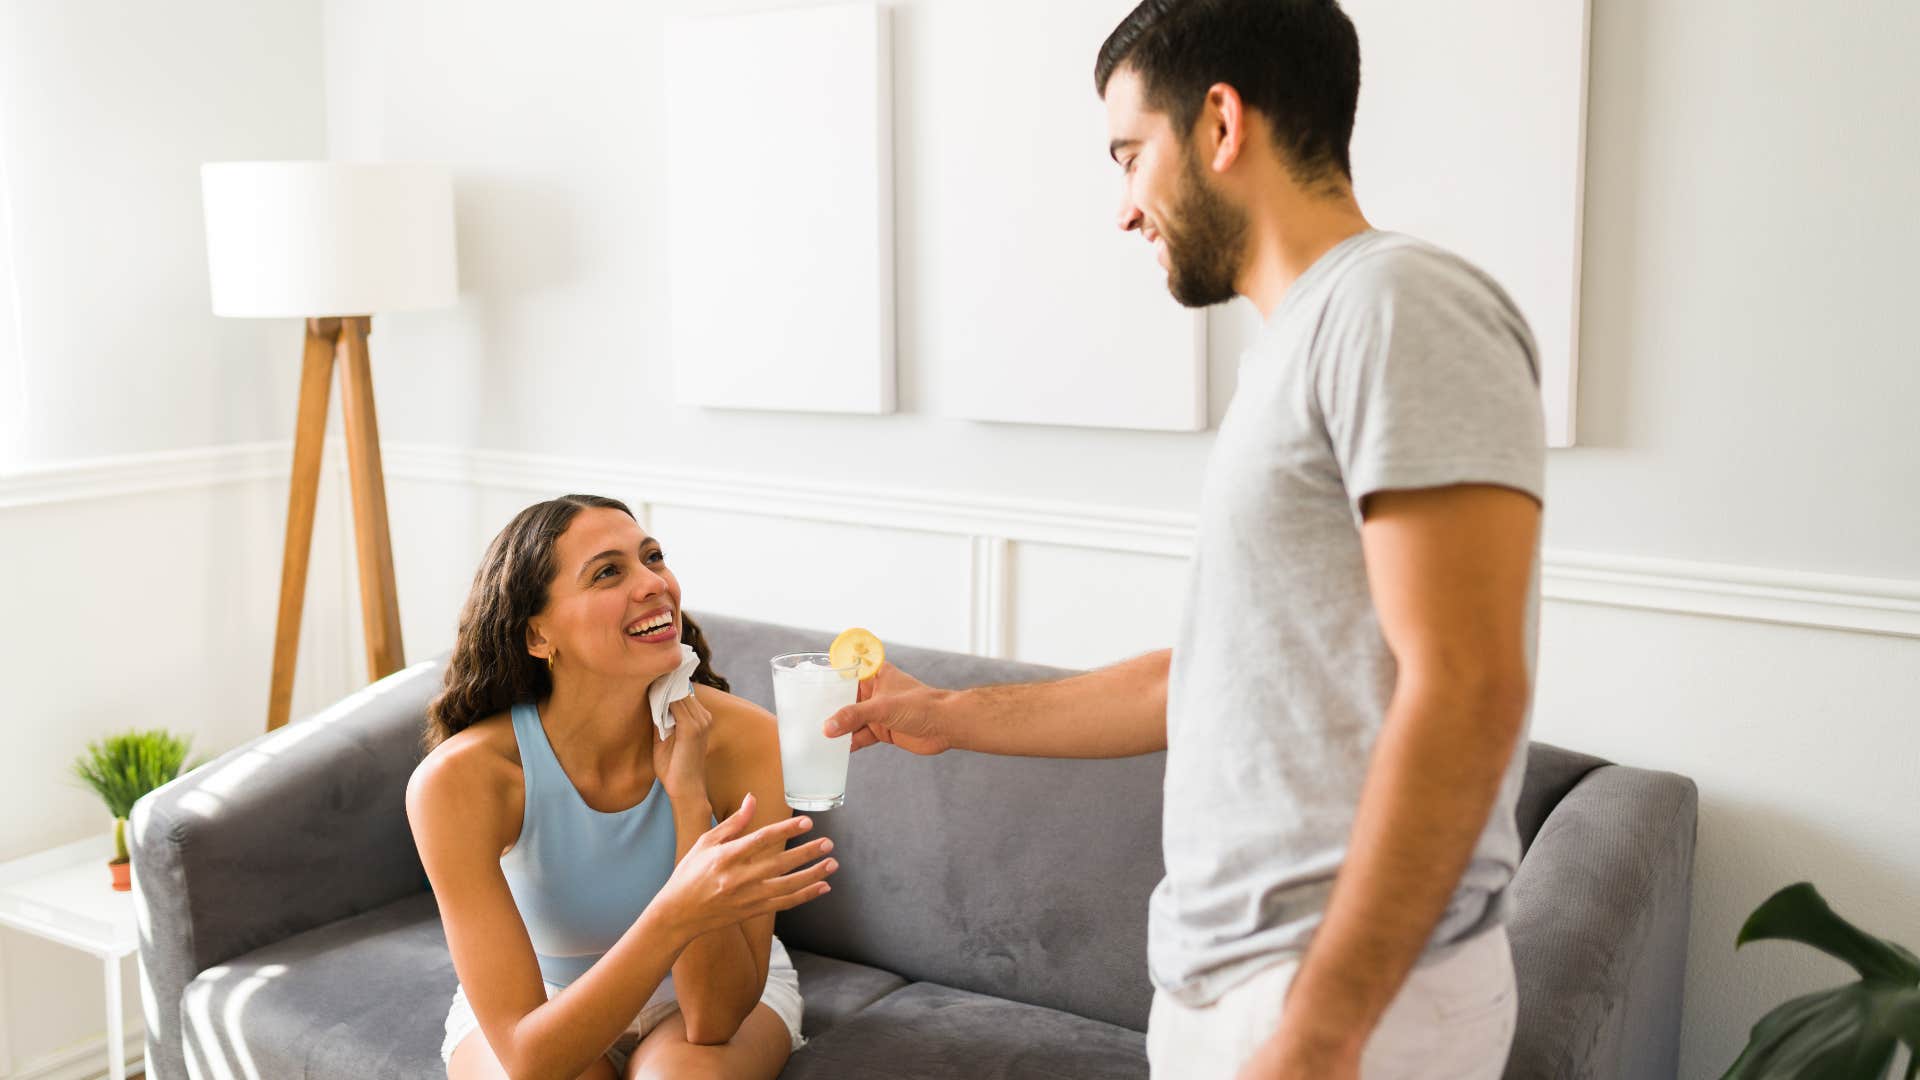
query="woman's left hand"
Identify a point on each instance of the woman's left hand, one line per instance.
(680, 759)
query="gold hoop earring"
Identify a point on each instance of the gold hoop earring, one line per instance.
(550, 663)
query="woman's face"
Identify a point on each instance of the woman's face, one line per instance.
(613, 607)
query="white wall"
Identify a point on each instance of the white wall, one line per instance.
(1744, 387)
(1748, 376)
(145, 607)
(553, 127)
(107, 110)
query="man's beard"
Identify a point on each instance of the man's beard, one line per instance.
(1206, 239)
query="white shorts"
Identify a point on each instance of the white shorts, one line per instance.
(1452, 1020)
(782, 995)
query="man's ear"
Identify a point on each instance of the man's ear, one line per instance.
(1223, 127)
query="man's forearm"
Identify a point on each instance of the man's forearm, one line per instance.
(1117, 711)
(1430, 787)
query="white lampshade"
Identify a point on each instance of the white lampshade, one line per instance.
(310, 239)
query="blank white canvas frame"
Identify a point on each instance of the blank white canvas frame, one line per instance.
(1030, 305)
(780, 189)
(1472, 134)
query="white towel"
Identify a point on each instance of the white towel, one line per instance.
(671, 687)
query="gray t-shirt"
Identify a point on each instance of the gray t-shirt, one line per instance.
(1390, 364)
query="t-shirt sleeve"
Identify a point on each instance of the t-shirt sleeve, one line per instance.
(1426, 376)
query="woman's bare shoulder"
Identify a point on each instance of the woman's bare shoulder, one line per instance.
(734, 713)
(474, 768)
(742, 731)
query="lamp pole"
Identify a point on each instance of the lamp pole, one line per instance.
(341, 340)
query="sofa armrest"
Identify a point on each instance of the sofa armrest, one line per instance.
(288, 832)
(1600, 911)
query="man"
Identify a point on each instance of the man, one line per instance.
(1345, 709)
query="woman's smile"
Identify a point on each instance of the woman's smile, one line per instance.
(655, 628)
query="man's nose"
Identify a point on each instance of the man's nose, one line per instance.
(1130, 215)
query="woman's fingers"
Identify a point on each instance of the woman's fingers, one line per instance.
(691, 713)
(793, 899)
(736, 822)
(777, 834)
(799, 880)
(795, 857)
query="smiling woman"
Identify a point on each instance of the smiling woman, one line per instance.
(570, 833)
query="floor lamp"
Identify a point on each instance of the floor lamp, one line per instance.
(331, 243)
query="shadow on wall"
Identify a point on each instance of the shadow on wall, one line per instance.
(1612, 275)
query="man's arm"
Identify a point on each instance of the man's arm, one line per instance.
(1449, 571)
(1116, 711)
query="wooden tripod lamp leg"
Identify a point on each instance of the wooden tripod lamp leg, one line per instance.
(316, 378)
(379, 602)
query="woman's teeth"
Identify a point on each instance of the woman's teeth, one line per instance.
(654, 627)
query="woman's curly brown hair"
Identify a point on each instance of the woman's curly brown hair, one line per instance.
(491, 670)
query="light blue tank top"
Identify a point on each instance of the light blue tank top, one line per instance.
(579, 876)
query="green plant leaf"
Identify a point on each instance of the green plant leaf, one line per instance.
(1799, 913)
(1847, 1033)
(122, 768)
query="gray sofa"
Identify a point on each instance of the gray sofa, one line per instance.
(989, 921)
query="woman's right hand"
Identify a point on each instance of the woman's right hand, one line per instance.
(731, 875)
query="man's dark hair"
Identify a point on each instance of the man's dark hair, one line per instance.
(1297, 62)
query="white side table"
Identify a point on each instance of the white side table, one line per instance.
(65, 896)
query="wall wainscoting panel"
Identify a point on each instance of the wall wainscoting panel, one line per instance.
(999, 528)
(1047, 582)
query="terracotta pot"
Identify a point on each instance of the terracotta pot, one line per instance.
(122, 876)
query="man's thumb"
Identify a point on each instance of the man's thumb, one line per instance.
(851, 718)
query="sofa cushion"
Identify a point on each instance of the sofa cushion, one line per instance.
(368, 996)
(931, 1032)
(363, 997)
(1024, 878)
(834, 989)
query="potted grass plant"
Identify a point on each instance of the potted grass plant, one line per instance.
(120, 769)
(1849, 1032)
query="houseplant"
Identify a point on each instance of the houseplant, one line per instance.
(120, 769)
(1850, 1032)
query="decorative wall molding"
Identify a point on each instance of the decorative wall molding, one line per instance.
(1147, 532)
(1758, 594)
(994, 524)
(988, 585)
(142, 474)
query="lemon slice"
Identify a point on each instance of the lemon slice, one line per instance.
(861, 646)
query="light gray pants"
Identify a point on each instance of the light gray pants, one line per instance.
(1452, 1020)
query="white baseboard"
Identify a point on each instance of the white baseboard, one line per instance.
(87, 1061)
(142, 474)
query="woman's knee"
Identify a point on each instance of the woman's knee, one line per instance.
(679, 1063)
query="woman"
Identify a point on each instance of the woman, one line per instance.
(572, 849)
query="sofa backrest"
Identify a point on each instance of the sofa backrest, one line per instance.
(1025, 878)
(1551, 773)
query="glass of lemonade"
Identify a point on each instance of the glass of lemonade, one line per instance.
(807, 689)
